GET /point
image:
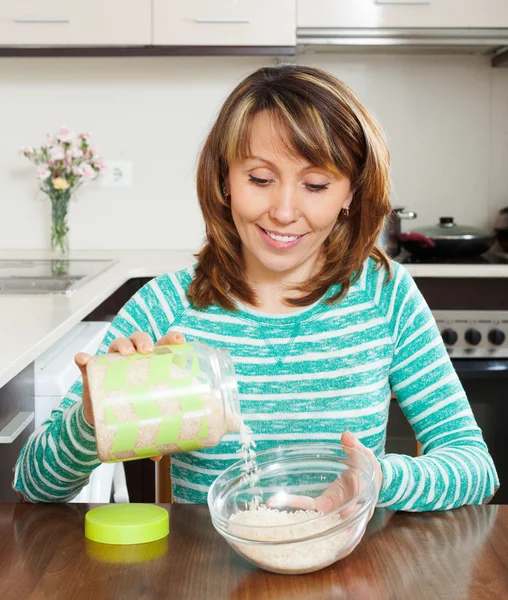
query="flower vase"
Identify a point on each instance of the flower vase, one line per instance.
(59, 229)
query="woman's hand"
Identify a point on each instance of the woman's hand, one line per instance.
(138, 342)
(348, 485)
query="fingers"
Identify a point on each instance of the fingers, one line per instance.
(122, 345)
(143, 343)
(81, 359)
(139, 341)
(172, 337)
(332, 498)
(284, 501)
(349, 440)
(335, 495)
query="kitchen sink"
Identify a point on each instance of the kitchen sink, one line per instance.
(36, 285)
(48, 276)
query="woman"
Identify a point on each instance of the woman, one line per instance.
(293, 182)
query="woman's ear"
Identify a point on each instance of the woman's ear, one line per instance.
(226, 191)
(349, 199)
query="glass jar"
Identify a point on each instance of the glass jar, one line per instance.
(178, 398)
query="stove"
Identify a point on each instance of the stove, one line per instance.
(493, 257)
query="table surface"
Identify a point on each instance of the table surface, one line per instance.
(460, 554)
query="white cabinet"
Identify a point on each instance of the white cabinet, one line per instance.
(75, 23)
(402, 13)
(224, 23)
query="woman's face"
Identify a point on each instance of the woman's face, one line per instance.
(283, 207)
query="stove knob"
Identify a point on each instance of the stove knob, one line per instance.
(497, 337)
(449, 336)
(473, 337)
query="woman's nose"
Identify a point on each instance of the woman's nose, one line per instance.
(284, 208)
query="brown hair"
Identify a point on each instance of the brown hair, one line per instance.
(330, 127)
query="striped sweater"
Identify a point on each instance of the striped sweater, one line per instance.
(305, 375)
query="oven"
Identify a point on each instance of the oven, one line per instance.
(472, 315)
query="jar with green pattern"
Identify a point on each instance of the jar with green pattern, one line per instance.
(178, 398)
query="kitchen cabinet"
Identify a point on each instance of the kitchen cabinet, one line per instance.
(224, 23)
(402, 13)
(70, 23)
(16, 425)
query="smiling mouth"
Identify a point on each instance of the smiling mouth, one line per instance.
(286, 238)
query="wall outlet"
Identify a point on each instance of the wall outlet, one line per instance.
(118, 174)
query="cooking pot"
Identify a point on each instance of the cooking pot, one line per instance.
(447, 240)
(501, 228)
(389, 239)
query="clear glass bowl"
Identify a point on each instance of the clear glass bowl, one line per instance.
(307, 470)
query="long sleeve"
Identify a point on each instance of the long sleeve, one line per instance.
(455, 467)
(58, 458)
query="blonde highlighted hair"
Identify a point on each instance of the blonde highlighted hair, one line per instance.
(330, 127)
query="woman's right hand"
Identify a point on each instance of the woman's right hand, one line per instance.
(138, 342)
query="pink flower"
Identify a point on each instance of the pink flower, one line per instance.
(77, 153)
(43, 172)
(29, 152)
(64, 135)
(87, 172)
(56, 153)
(76, 170)
(85, 136)
(95, 153)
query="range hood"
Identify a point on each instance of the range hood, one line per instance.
(493, 42)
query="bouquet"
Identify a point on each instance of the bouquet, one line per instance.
(63, 165)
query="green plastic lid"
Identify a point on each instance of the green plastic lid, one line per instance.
(127, 555)
(126, 523)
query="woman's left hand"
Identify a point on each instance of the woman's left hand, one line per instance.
(348, 485)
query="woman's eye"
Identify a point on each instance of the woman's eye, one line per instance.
(311, 187)
(315, 187)
(259, 181)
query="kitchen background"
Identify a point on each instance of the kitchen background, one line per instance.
(445, 114)
(446, 118)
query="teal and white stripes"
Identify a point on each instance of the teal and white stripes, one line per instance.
(56, 462)
(308, 375)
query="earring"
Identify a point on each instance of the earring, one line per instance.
(224, 192)
(345, 211)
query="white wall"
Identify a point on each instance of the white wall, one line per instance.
(446, 118)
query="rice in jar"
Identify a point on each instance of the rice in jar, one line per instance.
(178, 398)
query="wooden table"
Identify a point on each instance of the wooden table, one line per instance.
(461, 554)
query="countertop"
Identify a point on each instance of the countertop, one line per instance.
(29, 324)
(449, 555)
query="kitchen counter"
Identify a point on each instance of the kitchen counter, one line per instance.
(448, 555)
(30, 324)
